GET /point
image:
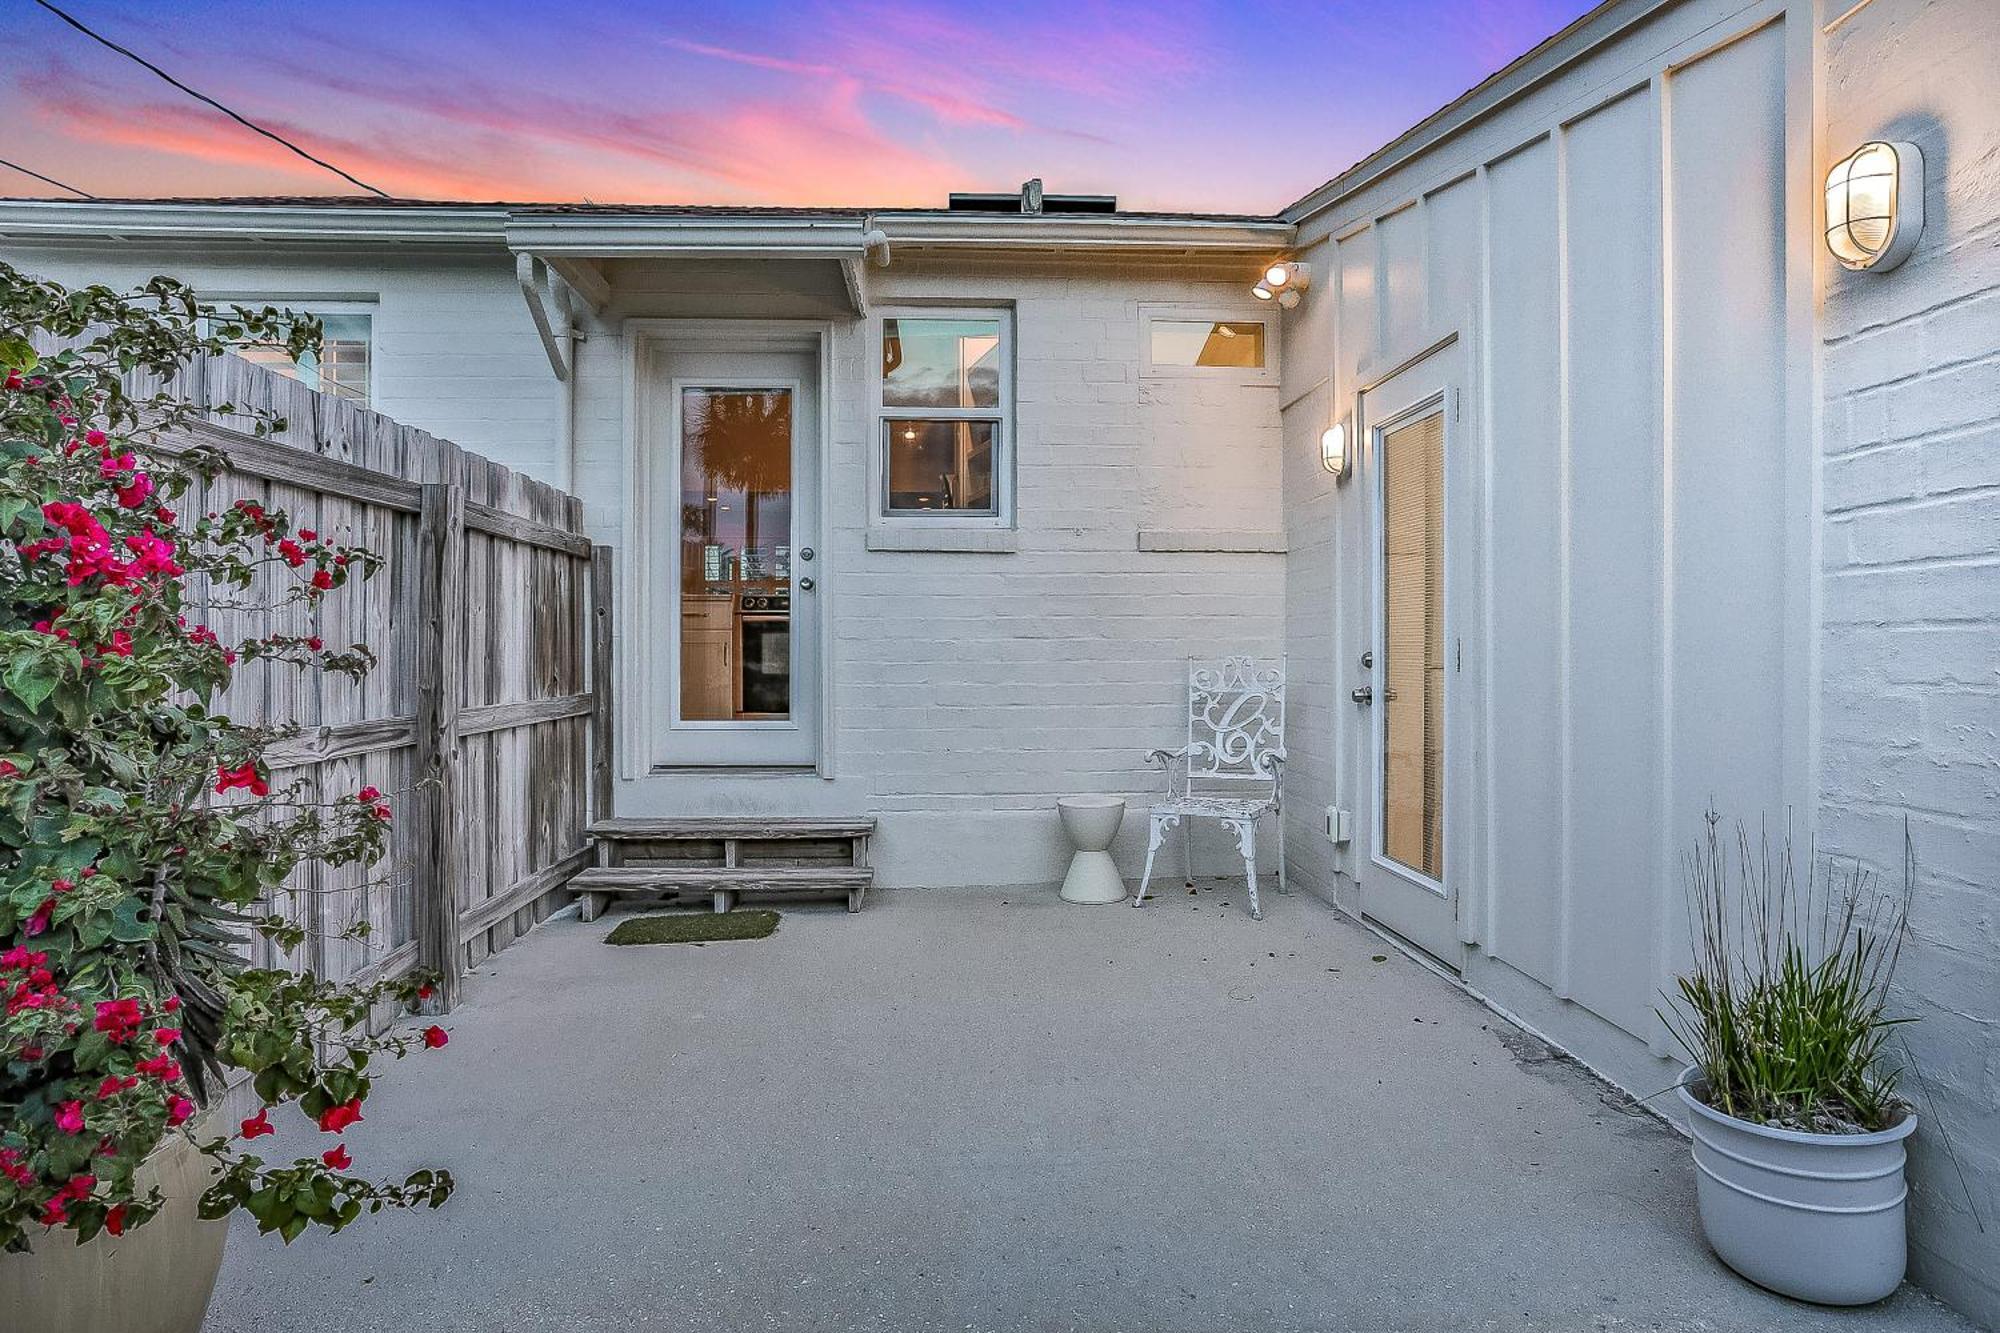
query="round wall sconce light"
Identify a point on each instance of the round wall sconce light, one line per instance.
(1333, 449)
(1282, 282)
(1875, 205)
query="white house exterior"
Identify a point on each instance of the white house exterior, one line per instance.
(1671, 510)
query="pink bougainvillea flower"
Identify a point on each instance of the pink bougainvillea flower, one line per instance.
(381, 812)
(97, 439)
(38, 924)
(322, 580)
(8, 770)
(178, 1110)
(136, 491)
(336, 1157)
(244, 776)
(368, 794)
(118, 1019)
(257, 1125)
(435, 1036)
(114, 1219)
(162, 1067)
(340, 1115)
(69, 1117)
(166, 1036)
(293, 553)
(113, 1085)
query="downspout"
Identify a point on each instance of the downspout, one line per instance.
(566, 413)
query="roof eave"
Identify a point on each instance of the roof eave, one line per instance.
(27, 220)
(695, 236)
(1089, 232)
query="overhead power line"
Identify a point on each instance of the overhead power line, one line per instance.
(248, 124)
(47, 180)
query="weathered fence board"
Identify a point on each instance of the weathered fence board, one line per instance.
(482, 720)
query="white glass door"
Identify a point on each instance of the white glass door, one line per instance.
(1409, 699)
(736, 574)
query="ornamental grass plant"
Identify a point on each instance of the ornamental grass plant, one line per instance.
(1785, 1013)
(143, 836)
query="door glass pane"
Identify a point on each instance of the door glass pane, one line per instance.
(940, 363)
(939, 465)
(1413, 645)
(736, 554)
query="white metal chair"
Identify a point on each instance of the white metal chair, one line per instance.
(1231, 767)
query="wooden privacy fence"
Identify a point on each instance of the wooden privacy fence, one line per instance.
(479, 720)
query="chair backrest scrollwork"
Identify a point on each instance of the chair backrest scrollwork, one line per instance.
(1236, 722)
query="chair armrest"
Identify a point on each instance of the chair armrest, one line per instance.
(1165, 758)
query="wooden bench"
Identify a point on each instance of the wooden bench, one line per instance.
(725, 857)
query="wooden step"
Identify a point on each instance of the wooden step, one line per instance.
(746, 827)
(599, 884)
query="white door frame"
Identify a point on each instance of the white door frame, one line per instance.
(1433, 919)
(638, 651)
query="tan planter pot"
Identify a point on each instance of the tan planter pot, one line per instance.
(154, 1279)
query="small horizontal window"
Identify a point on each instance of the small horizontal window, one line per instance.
(1222, 344)
(938, 466)
(339, 368)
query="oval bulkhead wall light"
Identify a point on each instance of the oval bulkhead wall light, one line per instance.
(1333, 449)
(1263, 293)
(1875, 205)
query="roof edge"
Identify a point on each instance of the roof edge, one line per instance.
(1512, 81)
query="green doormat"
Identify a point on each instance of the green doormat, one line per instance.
(694, 927)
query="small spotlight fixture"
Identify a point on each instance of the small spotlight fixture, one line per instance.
(1282, 282)
(1288, 273)
(1875, 205)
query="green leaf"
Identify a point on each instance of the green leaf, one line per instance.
(18, 353)
(32, 680)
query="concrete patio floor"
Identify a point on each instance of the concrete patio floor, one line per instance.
(991, 1111)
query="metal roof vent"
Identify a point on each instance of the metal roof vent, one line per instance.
(1031, 201)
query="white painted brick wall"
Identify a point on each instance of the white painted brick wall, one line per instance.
(1910, 699)
(454, 351)
(970, 689)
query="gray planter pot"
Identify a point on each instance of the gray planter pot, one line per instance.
(154, 1279)
(1815, 1216)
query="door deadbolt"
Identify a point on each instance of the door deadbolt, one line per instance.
(1362, 694)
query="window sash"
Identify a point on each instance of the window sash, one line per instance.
(1000, 416)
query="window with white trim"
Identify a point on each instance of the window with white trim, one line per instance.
(1194, 342)
(344, 364)
(947, 399)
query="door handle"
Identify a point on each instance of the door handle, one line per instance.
(1362, 694)
(806, 585)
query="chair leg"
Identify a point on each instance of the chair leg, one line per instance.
(1279, 815)
(1154, 837)
(1246, 843)
(1187, 852)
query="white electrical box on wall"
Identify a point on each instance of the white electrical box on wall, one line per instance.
(1339, 825)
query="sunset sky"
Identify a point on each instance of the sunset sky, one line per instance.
(1237, 107)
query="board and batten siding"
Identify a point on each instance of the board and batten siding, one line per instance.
(1619, 252)
(1738, 542)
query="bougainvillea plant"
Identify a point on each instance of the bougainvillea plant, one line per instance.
(143, 837)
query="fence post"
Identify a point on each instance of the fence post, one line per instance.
(600, 682)
(440, 694)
